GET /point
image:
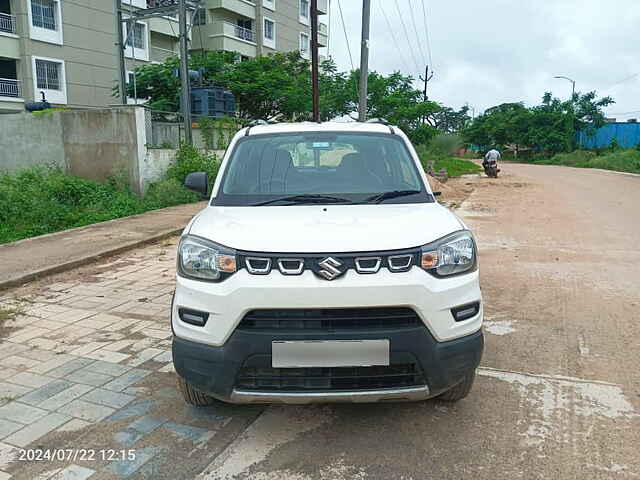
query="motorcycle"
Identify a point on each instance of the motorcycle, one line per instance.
(491, 169)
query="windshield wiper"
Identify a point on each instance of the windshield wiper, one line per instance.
(302, 199)
(381, 197)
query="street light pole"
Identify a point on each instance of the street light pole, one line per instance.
(573, 84)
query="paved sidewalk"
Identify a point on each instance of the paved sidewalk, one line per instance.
(34, 257)
(87, 368)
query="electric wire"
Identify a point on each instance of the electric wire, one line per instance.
(426, 29)
(344, 29)
(415, 29)
(406, 34)
(393, 37)
(626, 79)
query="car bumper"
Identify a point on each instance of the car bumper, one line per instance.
(229, 301)
(214, 370)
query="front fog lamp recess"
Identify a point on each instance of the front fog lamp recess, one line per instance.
(193, 317)
(465, 312)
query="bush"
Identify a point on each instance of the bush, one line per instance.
(621, 160)
(453, 165)
(189, 159)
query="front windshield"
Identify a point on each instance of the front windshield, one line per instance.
(280, 169)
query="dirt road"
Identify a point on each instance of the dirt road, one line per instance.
(86, 364)
(559, 392)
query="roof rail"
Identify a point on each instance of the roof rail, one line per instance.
(381, 121)
(377, 120)
(255, 123)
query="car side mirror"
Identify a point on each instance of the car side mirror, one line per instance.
(198, 182)
(436, 194)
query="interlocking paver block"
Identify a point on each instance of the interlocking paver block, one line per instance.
(46, 367)
(11, 391)
(133, 410)
(66, 396)
(131, 377)
(88, 377)
(28, 379)
(21, 363)
(86, 411)
(70, 367)
(107, 355)
(21, 412)
(7, 427)
(108, 368)
(73, 425)
(73, 472)
(37, 429)
(108, 398)
(39, 395)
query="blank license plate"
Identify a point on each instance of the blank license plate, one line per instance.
(334, 353)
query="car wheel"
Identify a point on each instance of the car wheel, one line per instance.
(193, 396)
(460, 391)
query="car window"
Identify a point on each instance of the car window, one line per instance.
(355, 166)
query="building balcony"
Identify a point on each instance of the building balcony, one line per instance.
(240, 7)
(323, 7)
(165, 25)
(159, 54)
(10, 88)
(232, 38)
(7, 23)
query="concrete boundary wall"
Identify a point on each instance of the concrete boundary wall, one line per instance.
(93, 144)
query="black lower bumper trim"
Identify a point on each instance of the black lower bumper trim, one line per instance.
(215, 370)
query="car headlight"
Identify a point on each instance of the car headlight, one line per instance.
(202, 259)
(451, 255)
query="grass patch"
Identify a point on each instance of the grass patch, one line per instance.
(41, 200)
(455, 166)
(623, 160)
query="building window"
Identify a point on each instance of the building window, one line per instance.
(304, 11)
(304, 45)
(136, 37)
(45, 20)
(49, 77)
(43, 14)
(137, 43)
(200, 17)
(269, 33)
(270, 4)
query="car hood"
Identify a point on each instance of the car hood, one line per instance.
(325, 228)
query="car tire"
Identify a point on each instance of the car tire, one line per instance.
(193, 396)
(460, 391)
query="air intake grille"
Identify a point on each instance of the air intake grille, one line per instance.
(330, 378)
(330, 319)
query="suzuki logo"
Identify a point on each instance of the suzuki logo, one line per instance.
(330, 268)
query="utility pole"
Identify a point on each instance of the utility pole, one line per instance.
(364, 60)
(315, 67)
(259, 28)
(426, 79)
(120, 44)
(185, 97)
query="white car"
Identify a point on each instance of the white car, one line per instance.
(324, 270)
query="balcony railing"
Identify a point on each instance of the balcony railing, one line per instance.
(10, 88)
(242, 33)
(161, 54)
(7, 23)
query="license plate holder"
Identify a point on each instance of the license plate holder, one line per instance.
(329, 353)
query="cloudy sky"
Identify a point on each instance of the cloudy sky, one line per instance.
(496, 51)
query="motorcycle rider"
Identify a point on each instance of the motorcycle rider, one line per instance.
(492, 156)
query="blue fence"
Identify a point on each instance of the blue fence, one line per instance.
(626, 134)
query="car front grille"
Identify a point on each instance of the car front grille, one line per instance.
(330, 319)
(330, 378)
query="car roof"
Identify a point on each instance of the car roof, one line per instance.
(321, 127)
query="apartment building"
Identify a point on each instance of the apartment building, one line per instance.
(66, 50)
(258, 27)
